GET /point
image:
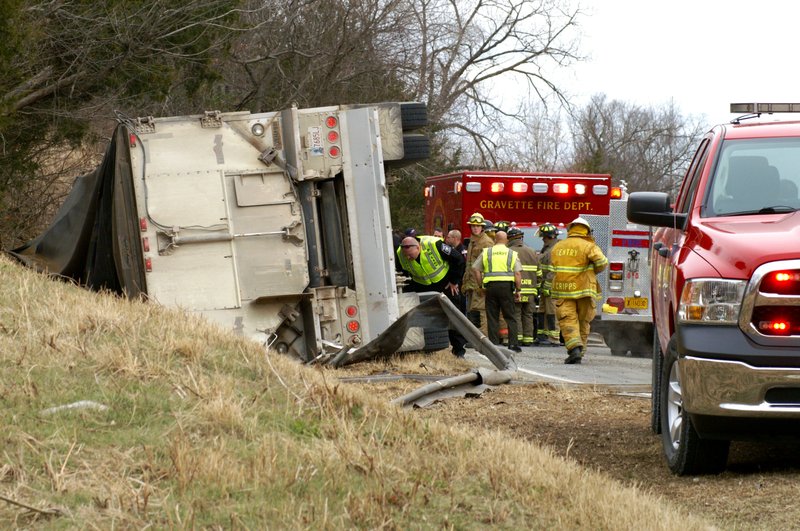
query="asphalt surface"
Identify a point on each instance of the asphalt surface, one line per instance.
(598, 367)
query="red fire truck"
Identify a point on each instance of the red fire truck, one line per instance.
(532, 199)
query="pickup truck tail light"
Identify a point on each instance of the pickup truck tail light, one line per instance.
(712, 301)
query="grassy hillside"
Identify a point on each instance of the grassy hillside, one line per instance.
(182, 425)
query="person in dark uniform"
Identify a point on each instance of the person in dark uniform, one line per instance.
(530, 286)
(453, 239)
(499, 272)
(433, 265)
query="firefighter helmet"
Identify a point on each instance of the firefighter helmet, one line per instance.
(476, 219)
(515, 234)
(579, 221)
(502, 225)
(548, 230)
(488, 226)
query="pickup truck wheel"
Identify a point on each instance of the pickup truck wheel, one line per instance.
(655, 386)
(686, 452)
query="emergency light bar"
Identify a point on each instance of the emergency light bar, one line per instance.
(757, 108)
(521, 187)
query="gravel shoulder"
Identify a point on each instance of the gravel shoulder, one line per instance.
(608, 430)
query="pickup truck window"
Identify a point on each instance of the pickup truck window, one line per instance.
(693, 178)
(756, 176)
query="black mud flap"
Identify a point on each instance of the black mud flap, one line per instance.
(438, 312)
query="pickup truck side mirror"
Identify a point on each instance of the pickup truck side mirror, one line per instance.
(653, 208)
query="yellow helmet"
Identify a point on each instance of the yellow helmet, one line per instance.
(579, 221)
(503, 226)
(476, 219)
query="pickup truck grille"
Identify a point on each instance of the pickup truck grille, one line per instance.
(770, 312)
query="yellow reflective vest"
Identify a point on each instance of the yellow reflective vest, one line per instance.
(431, 267)
(529, 286)
(575, 262)
(498, 264)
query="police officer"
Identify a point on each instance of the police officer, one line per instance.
(530, 286)
(433, 266)
(499, 271)
(548, 333)
(575, 262)
(478, 241)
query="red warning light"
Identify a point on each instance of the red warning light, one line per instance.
(331, 121)
(353, 326)
(519, 188)
(616, 192)
(143, 224)
(351, 311)
(560, 188)
(580, 189)
(775, 327)
(334, 151)
(497, 187)
(333, 136)
(781, 282)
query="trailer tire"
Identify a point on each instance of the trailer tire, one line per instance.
(413, 115)
(436, 339)
(416, 147)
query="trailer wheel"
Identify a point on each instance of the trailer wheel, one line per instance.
(416, 147)
(413, 115)
(686, 452)
(436, 338)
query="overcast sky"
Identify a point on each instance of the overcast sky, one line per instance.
(703, 54)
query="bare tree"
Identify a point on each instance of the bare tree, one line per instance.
(63, 63)
(456, 55)
(470, 51)
(538, 141)
(647, 147)
(318, 52)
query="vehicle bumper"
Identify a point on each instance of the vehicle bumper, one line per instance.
(735, 389)
(625, 317)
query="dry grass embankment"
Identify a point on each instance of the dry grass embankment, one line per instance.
(204, 430)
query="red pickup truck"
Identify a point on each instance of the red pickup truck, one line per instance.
(725, 273)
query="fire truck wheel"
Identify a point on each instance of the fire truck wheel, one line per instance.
(436, 339)
(655, 387)
(413, 115)
(686, 453)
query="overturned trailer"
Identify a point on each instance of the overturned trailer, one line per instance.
(276, 225)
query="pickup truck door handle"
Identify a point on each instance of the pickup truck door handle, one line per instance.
(663, 251)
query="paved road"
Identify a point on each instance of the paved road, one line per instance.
(599, 367)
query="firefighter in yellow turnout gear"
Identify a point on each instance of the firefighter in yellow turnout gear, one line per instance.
(547, 331)
(529, 287)
(575, 262)
(476, 301)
